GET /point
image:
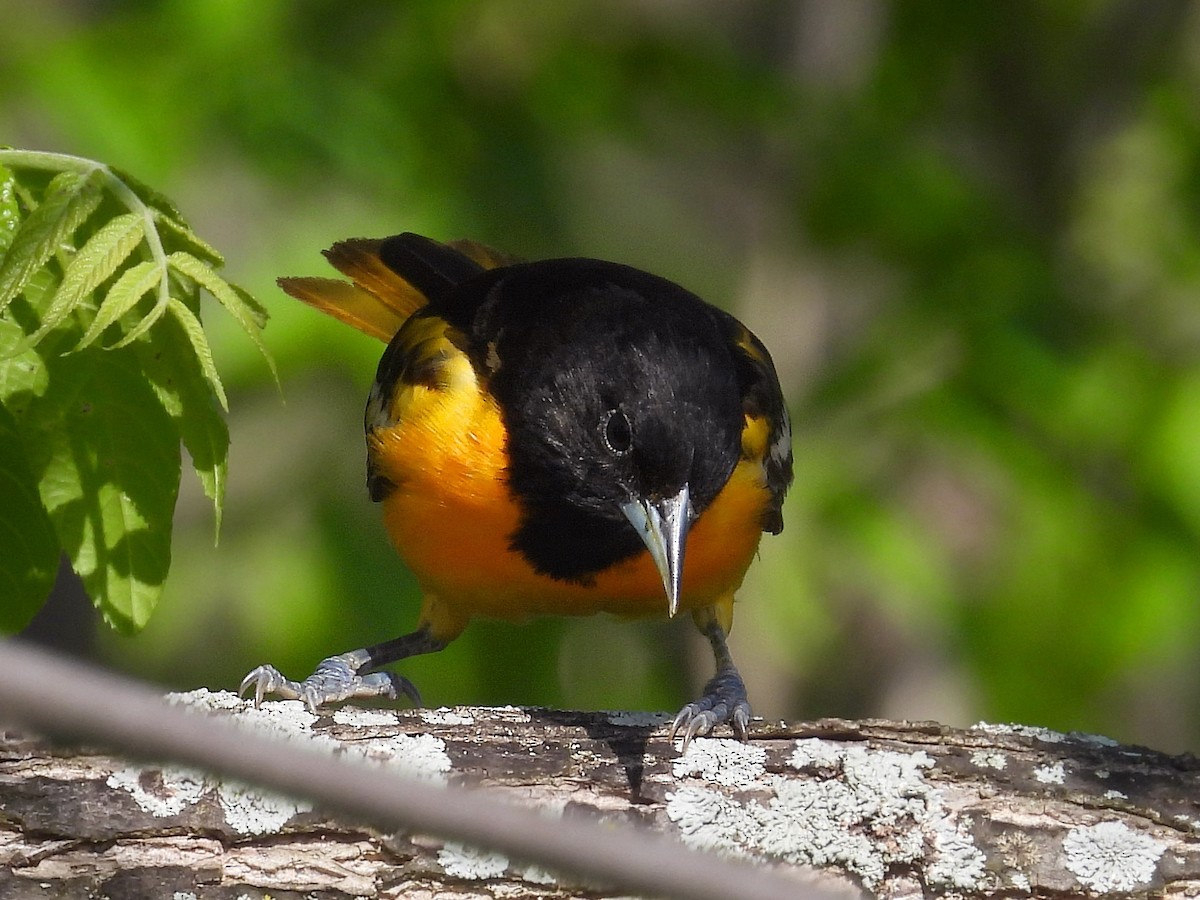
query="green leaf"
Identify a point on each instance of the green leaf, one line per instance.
(174, 232)
(185, 393)
(249, 314)
(134, 283)
(106, 456)
(23, 375)
(70, 199)
(29, 562)
(93, 264)
(203, 353)
(144, 194)
(101, 428)
(254, 309)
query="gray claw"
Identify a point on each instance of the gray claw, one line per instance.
(696, 719)
(724, 700)
(269, 680)
(740, 721)
(335, 679)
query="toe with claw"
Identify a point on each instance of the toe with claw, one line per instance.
(336, 678)
(724, 697)
(724, 700)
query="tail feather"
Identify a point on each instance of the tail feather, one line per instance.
(392, 278)
(347, 303)
(431, 267)
(359, 259)
(488, 257)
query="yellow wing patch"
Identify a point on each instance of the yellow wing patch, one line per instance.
(431, 365)
(756, 432)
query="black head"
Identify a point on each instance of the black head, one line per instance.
(617, 387)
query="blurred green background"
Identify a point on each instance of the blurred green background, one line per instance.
(968, 232)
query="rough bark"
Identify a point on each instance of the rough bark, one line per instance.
(896, 809)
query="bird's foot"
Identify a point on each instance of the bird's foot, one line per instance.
(335, 679)
(724, 700)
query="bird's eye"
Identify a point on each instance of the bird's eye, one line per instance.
(618, 435)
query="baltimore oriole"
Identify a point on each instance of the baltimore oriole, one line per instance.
(548, 438)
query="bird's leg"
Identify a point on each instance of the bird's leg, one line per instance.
(348, 674)
(724, 697)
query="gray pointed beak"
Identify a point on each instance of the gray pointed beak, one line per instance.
(663, 526)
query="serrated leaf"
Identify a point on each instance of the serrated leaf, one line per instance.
(250, 315)
(91, 265)
(134, 283)
(194, 332)
(256, 310)
(146, 194)
(175, 374)
(22, 375)
(29, 563)
(106, 424)
(148, 321)
(107, 459)
(70, 199)
(175, 230)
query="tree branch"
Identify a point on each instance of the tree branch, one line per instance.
(896, 808)
(68, 701)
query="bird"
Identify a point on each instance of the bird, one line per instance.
(554, 437)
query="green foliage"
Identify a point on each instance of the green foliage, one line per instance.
(30, 560)
(967, 232)
(104, 370)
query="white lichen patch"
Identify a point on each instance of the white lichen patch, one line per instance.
(1051, 773)
(861, 809)
(205, 699)
(1115, 795)
(535, 874)
(419, 756)
(862, 814)
(638, 719)
(160, 792)
(1019, 880)
(460, 861)
(284, 719)
(1096, 740)
(722, 761)
(989, 759)
(444, 715)
(1111, 856)
(251, 810)
(169, 791)
(709, 820)
(515, 714)
(356, 717)
(819, 823)
(956, 861)
(1045, 735)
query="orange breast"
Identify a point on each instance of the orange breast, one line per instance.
(451, 516)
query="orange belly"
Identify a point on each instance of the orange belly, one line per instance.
(451, 518)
